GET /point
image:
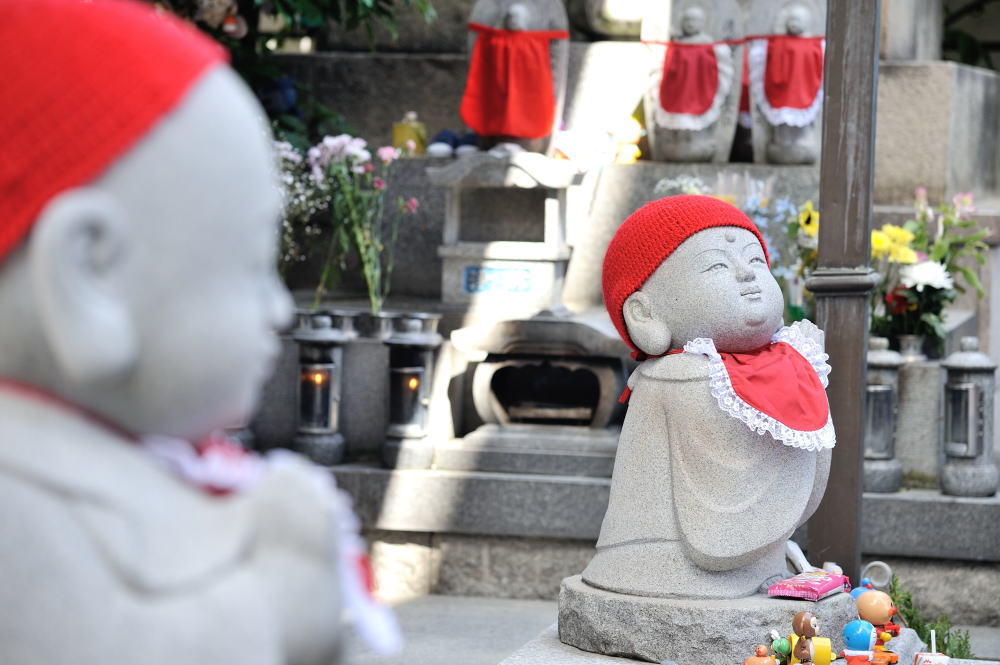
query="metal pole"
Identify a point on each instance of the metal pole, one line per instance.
(844, 278)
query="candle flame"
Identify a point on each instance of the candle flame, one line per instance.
(318, 378)
(413, 383)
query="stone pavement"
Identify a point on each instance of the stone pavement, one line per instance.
(459, 630)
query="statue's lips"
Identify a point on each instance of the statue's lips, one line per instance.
(751, 293)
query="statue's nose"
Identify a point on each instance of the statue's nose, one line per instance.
(744, 273)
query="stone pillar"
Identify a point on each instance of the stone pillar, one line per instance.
(844, 277)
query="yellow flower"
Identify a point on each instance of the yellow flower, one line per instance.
(897, 234)
(728, 198)
(899, 254)
(809, 219)
(880, 244)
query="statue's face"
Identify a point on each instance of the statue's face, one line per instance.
(517, 17)
(797, 21)
(717, 285)
(692, 21)
(203, 198)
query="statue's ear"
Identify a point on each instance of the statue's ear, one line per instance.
(650, 334)
(76, 256)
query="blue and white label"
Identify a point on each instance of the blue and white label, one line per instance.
(477, 279)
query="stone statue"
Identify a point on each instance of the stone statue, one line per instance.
(718, 462)
(138, 298)
(516, 86)
(786, 87)
(690, 104)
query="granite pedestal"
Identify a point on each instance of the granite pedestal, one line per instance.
(687, 631)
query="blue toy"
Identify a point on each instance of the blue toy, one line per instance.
(859, 635)
(866, 585)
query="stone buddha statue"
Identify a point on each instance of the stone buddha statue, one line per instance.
(689, 102)
(139, 302)
(718, 462)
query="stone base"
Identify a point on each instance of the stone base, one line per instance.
(323, 449)
(546, 649)
(408, 453)
(883, 476)
(959, 479)
(551, 449)
(688, 631)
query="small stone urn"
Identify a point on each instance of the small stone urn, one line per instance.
(969, 469)
(882, 471)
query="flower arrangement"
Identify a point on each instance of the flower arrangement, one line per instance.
(339, 176)
(921, 263)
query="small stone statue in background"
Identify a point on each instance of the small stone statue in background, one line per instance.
(691, 101)
(786, 89)
(139, 301)
(516, 84)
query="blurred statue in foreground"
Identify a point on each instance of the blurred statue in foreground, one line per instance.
(137, 209)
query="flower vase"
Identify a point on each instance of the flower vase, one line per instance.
(911, 347)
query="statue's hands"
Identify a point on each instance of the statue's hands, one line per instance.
(810, 330)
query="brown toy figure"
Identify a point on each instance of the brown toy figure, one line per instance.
(876, 608)
(805, 625)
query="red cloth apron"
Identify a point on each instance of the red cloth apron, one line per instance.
(794, 71)
(690, 78)
(509, 90)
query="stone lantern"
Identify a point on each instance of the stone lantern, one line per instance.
(412, 348)
(968, 468)
(321, 337)
(882, 471)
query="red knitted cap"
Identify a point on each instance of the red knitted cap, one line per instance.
(651, 234)
(82, 82)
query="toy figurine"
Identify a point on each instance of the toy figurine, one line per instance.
(805, 626)
(760, 657)
(859, 638)
(781, 647)
(876, 608)
(866, 585)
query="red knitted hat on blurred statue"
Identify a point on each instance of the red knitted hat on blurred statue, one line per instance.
(82, 83)
(651, 234)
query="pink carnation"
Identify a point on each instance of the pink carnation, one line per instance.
(412, 204)
(387, 154)
(378, 183)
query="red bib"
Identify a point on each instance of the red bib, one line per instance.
(690, 78)
(509, 90)
(794, 72)
(777, 381)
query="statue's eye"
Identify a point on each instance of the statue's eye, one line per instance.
(758, 259)
(717, 266)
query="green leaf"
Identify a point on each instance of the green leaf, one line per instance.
(972, 280)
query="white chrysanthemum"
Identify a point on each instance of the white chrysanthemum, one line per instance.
(924, 274)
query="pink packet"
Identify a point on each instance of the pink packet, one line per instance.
(811, 585)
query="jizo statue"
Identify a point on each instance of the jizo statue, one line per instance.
(138, 203)
(725, 449)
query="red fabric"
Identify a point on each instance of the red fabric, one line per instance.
(82, 82)
(745, 85)
(509, 90)
(794, 72)
(777, 381)
(690, 78)
(651, 234)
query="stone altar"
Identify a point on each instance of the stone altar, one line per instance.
(690, 273)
